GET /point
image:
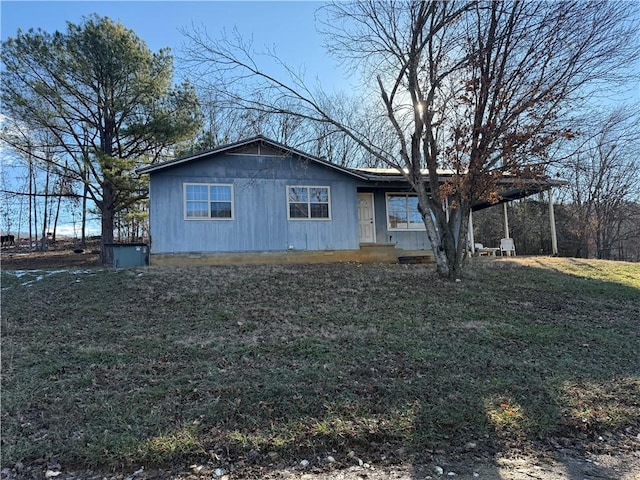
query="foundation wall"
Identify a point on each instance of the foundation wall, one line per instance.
(366, 254)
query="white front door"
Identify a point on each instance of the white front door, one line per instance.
(366, 224)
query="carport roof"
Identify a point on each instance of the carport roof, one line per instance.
(511, 187)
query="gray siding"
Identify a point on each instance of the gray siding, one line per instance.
(260, 207)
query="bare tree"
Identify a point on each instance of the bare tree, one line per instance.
(11, 205)
(325, 140)
(226, 122)
(604, 182)
(481, 88)
(36, 153)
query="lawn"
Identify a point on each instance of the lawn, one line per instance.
(264, 364)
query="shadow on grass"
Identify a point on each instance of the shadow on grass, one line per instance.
(261, 368)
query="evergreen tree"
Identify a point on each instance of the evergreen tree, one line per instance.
(106, 98)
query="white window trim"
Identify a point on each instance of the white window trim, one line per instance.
(395, 229)
(184, 201)
(308, 218)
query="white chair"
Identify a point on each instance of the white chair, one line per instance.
(507, 247)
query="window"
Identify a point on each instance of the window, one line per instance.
(208, 201)
(402, 212)
(305, 203)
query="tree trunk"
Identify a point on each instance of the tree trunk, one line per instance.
(432, 225)
(56, 217)
(442, 261)
(461, 217)
(20, 221)
(43, 238)
(108, 217)
(85, 194)
(35, 211)
(31, 200)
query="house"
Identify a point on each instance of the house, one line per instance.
(257, 200)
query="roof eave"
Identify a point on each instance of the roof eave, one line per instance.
(195, 156)
(231, 146)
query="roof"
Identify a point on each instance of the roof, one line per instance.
(395, 174)
(514, 187)
(259, 139)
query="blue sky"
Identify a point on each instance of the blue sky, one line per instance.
(289, 26)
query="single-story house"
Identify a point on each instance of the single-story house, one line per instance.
(257, 200)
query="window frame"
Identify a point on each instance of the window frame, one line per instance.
(309, 203)
(208, 185)
(422, 227)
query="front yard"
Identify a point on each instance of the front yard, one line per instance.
(258, 367)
